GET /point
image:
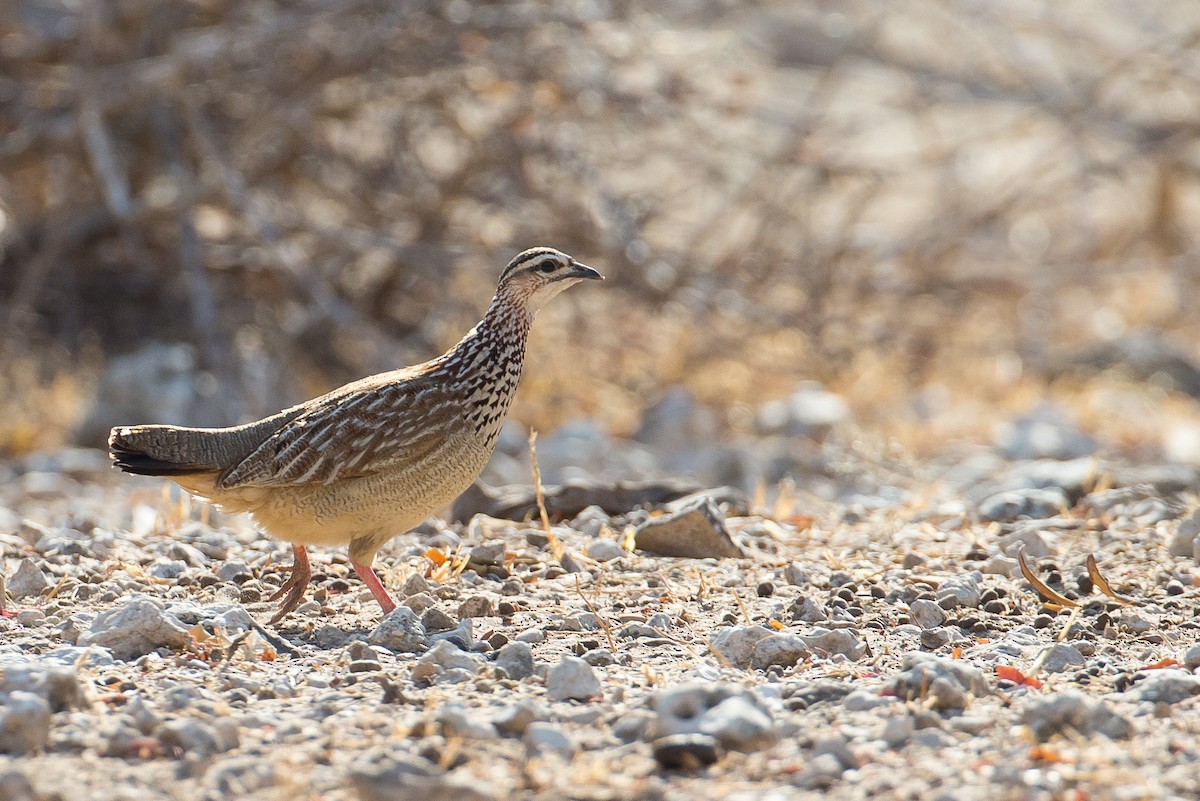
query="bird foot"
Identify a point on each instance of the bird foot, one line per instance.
(292, 590)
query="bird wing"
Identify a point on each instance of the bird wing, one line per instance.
(355, 431)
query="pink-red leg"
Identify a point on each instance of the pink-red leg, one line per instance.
(292, 590)
(367, 574)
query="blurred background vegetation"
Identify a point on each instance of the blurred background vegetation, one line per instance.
(945, 211)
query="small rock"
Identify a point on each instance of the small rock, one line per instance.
(458, 722)
(898, 731)
(863, 700)
(1027, 540)
(1183, 542)
(444, 657)
(811, 411)
(27, 580)
(964, 589)
(927, 614)
(14, 786)
(435, 619)
(736, 643)
(419, 602)
(1073, 711)
(513, 720)
(1191, 658)
(942, 683)
(729, 715)
(30, 617)
(1045, 432)
(686, 751)
(169, 569)
(835, 641)
(136, 628)
(232, 570)
(1035, 504)
(543, 737)
(414, 585)
(516, 658)
(605, 550)
(477, 606)
(1000, 565)
(784, 650)
(739, 725)
(572, 678)
(1062, 656)
(696, 531)
(197, 737)
(1167, 687)
(808, 610)
(394, 776)
(400, 632)
(24, 723)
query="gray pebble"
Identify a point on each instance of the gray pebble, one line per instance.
(516, 658)
(942, 683)
(1191, 658)
(686, 751)
(572, 678)
(1167, 687)
(835, 641)
(927, 614)
(198, 737)
(532, 636)
(24, 723)
(541, 737)
(809, 610)
(739, 725)
(400, 632)
(1072, 711)
(736, 643)
(605, 550)
(435, 619)
(168, 569)
(27, 580)
(136, 628)
(1062, 656)
(784, 650)
(231, 570)
(514, 719)
(1035, 504)
(477, 606)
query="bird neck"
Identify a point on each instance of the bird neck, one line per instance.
(498, 338)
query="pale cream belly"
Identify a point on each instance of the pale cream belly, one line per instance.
(379, 506)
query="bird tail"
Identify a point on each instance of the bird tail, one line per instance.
(161, 450)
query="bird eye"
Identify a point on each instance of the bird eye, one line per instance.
(547, 266)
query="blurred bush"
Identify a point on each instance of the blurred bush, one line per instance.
(908, 201)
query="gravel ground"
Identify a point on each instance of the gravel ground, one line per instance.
(872, 642)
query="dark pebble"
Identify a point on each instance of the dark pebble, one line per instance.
(1174, 588)
(766, 589)
(339, 585)
(249, 595)
(1042, 621)
(506, 609)
(365, 666)
(686, 751)
(995, 607)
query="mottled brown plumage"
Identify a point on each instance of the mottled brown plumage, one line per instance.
(372, 459)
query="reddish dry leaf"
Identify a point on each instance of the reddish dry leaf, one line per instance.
(1010, 673)
(1160, 664)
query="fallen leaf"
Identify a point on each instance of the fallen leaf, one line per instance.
(1010, 673)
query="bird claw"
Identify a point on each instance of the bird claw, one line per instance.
(292, 590)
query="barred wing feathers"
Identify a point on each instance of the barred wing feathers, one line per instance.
(355, 431)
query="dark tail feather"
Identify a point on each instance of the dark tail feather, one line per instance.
(153, 451)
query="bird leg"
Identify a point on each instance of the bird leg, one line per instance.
(367, 574)
(295, 585)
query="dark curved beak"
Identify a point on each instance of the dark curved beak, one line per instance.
(583, 271)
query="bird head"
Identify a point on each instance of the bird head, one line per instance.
(538, 274)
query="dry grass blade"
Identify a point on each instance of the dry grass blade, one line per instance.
(1102, 584)
(604, 624)
(1040, 586)
(556, 547)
